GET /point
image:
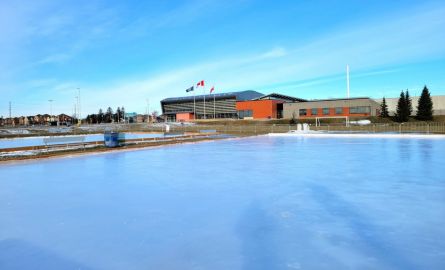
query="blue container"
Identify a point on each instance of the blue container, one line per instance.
(111, 139)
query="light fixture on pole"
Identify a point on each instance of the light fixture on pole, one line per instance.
(50, 106)
(79, 121)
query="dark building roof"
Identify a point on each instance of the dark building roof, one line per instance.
(276, 96)
(337, 99)
(239, 96)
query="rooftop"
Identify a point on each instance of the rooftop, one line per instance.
(240, 96)
(277, 96)
(337, 99)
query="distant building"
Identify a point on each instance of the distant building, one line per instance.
(23, 121)
(130, 117)
(212, 106)
(325, 108)
(38, 119)
(64, 119)
(143, 118)
(264, 107)
(254, 105)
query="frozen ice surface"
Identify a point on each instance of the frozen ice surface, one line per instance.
(255, 203)
(36, 141)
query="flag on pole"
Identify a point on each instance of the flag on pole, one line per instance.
(201, 83)
(212, 89)
(190, 89)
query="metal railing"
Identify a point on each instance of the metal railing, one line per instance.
(253, 129)
(420, 127)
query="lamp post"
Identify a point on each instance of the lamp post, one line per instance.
(79, 119)
(50, 106)
(76, 107)
(50, 110)
(148, 110)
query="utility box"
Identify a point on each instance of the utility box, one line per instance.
(111, 139)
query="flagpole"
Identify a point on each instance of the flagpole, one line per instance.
(214, 106)
(204, 101)
(194, 106)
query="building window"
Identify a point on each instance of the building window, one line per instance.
(325, 111)
(314, 111)
(303, 112)
(360, 110)
(245, 113)
(339, 110)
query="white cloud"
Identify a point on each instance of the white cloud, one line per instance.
(410, 36)
(54, 59)
(379, 43)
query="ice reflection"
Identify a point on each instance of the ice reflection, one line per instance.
(253, 203)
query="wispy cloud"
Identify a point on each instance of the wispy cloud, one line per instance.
(182, 15)
(365, 47)
(54, 59)
(371, 48)
(46, 32)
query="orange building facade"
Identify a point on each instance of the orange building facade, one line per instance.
(258, 109)
(184, 117)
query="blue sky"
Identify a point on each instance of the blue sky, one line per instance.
(121, 53)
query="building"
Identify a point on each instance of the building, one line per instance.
(23, 121)
(332, 108)
(38, 119)
(64, 119)
(438, 104)
(130, 117)
(143, 118)
(254, 105)
(212, 106)
(264, 107)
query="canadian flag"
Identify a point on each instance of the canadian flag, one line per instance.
(212, 89)
(201, 83)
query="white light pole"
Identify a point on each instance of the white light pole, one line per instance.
(50, 110)
(79, 121)
(204, 102)
(347, 80)
(50, 106)
(148, 110)
(75, 106)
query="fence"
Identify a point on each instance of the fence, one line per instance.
(426, 128)
(252, 129)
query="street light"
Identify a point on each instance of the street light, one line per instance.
(76, 102)
(50, 110)
(79, 121)
(50, 106)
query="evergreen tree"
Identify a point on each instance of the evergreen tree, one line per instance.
(425, 106)
(123, 112)
(384, 109)
(89, 119)
(109, 115)
(409, 103)
(402, 109)
(100, 116)
(94, 118)
(117, 117)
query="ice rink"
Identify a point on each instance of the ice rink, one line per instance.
(253, 203)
